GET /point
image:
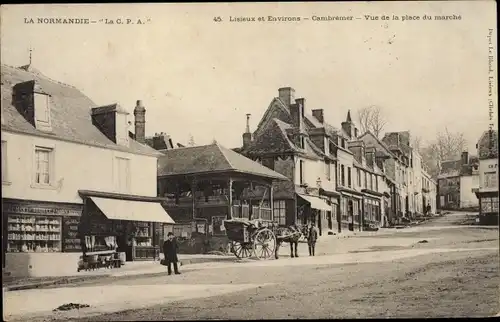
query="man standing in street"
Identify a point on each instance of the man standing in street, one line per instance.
(312, 237)
(170, 248)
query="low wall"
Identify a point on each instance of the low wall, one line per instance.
(41, 264)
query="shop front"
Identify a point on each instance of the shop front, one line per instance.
(488, 208)
(132, 226)
(40, 238)
(316, 211)
(372, 209)
(351, 207)
(48, 239)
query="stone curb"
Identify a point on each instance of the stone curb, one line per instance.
(70, 280)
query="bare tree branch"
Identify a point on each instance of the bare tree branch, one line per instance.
(447, 146)
(371, 119)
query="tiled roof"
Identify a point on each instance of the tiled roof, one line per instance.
(488, 145)
(210, 158)
(382, 144)
(273, 140)
(70, 112)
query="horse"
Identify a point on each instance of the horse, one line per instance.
(290, 234)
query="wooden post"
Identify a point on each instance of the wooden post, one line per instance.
(193, 191)
(271, 202)
(230, 193)
(250, 205)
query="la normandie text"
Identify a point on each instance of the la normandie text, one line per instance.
(62, 21)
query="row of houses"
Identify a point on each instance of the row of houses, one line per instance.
(340, 179)
(79, 177)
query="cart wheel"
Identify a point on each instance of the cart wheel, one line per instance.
(241, 250)
(264, 244)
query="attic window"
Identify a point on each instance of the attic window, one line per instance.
(302, 142)
(42, 108)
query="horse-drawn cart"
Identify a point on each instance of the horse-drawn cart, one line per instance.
(251, 238)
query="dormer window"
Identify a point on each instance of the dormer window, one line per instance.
(302, 142)
(42, 108)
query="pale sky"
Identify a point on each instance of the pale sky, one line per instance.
(199, 77)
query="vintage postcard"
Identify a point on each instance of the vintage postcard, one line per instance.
(279, 160)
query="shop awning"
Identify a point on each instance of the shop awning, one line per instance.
(132, 210)
(316, 203)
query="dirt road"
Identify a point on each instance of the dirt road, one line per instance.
(454, 273)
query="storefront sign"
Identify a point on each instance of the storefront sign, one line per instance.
(55, 210)
(70, 238)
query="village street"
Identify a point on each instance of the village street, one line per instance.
(443, 268)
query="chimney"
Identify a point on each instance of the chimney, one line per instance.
(287, 95)
(247, 136)
(140, 122)
(111, 120)
(465, 158)
(318, 114)
(297, 112)
(33, 103)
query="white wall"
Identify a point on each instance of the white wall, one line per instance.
(312, 171)
(76, 167)
(488, 165)
(346, 159)
(467, 197)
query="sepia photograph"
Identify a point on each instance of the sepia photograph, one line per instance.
(249, 161)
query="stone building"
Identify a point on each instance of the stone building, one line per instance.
(458, 181)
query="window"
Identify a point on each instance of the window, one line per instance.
(450, 199)
(349, 176)
(279, 209)
(328, 171)
(342, 143)
(371, 181)
(489, 205)
(342, 175)
(359, 177)
(33, 234)
(302, 142)
(122, 174)
(301, 169)
(490, 180)
(4, 161)
(43, 165)
(42, 108)
(376, 183)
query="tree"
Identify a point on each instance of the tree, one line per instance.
(372, 119)
(191, 140)
(447, 146)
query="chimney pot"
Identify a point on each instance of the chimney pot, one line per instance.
(140, 122)
(287, 95)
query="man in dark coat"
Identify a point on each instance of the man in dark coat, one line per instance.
(170, 248)
(312, 237)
